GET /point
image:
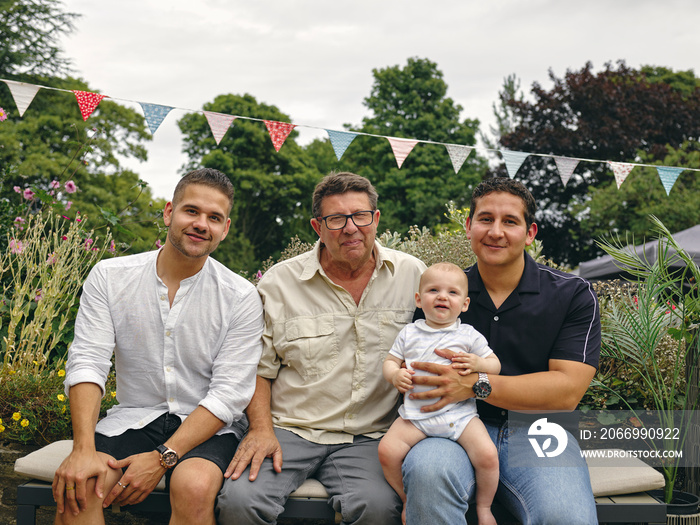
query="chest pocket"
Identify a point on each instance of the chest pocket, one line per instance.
(312, 346)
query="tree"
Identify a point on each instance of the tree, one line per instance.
(52, 142)
(411, 102)
(618, 114)
(273, 189)
(29, 34)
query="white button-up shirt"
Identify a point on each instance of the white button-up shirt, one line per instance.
(202, 350)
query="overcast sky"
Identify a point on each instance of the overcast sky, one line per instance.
(313, 59)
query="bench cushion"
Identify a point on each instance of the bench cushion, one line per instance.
(630, 475)
(627, 476)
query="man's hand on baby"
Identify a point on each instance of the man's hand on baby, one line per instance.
(402, 380)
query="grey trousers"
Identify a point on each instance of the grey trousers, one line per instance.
(350, 472)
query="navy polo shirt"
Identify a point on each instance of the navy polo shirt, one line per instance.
(550, 315)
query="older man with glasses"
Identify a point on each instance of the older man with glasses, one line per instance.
(320, 403)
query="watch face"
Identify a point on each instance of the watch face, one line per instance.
(169, 459)
(482, 389)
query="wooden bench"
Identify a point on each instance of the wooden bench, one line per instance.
(620, 492)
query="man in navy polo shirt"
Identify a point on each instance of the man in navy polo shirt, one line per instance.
(544, 326)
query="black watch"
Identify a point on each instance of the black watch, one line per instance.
(168, 457)
(482, 387)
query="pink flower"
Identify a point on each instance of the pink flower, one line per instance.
(17, 189)
(19, 223)
(39, 295)
(3, 114)
(64, 238)
(159, 244)
(258, 275)
(111, 248)
(70, 186)
(54, 184)
(16, 247)
(28, 194)
(88, 243)
(68, 205)
(51, 259)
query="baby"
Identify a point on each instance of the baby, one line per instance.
(442, 294)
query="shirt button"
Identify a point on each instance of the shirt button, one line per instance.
(168, 369)
(495, 318)
(162, 297)
(167, 334)
(452, 425)
(171, 399)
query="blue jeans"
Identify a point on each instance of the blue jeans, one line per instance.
(439, 483)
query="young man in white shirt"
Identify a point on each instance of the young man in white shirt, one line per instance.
(185, 332)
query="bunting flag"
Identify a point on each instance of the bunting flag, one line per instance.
(513, 159)
(401, 148)
(22, 93)
(219, 124)
(340, 140)
(458, 154)
(155, 114)
(88, 102)
(566, 167)
(279, 131)
(621, 171)
(668, 176)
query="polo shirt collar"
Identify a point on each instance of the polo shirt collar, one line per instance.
(383, 257)
(529, 283)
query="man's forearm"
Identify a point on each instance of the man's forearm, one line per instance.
(199, 426)
(258, 411)
(85, 409)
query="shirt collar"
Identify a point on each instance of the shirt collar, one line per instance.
(383, 257)
(421, 324)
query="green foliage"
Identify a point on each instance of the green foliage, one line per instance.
(36, 410)
(29, 35)
(273, 190)
(618, 114)
(655, 331)
(412, 102)
(42, 271)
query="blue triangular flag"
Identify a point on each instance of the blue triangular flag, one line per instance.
(340, 140)
(155, 114)
(668, 176)
(514, 159)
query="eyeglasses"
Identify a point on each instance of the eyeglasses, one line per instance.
(337, 221)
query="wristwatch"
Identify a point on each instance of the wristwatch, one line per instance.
(168, 457)
(482, 387)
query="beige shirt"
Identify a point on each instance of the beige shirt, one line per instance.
(324, 353)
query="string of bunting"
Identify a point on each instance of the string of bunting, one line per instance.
(219, 123)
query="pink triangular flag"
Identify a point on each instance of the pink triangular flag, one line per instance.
(566, 167)
(279, 131)
(88, 102)
(22, 93)
(458, 154)
(219, 124)
(401, 148)
(621, 171)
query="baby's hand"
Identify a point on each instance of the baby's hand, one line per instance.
(402, 380)
(466, 363)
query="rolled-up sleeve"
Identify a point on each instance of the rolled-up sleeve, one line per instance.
(233, 373)
(89, 356)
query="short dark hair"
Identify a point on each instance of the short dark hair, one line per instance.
(506, 185)
(206, 177)
(339, 183)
